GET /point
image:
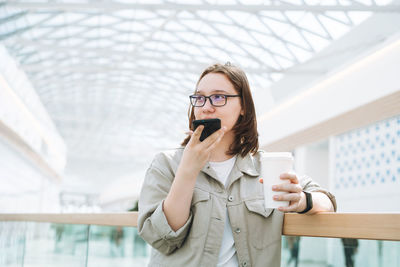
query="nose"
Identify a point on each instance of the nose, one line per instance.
(207, 106)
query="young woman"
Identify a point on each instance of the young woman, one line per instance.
(203, 204)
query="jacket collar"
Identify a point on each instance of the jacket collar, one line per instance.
(243, 165)
(246, 165)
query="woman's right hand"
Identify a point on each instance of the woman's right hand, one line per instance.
(197, 153)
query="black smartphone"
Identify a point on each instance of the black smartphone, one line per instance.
(210, 126)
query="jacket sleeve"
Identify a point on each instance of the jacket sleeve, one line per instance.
(310, 186)
(153, 226)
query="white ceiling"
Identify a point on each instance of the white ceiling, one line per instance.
(115, 75)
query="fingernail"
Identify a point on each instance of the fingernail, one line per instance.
(274, 187)
(275, 197)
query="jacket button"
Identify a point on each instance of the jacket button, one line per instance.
(237, 230)
(230, 198)
(244, 263)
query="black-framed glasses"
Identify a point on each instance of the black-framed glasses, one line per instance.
(217, 100)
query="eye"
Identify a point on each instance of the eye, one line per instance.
(198, 97)
(197, 100)
(218, 97)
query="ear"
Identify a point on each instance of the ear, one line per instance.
(242, 112)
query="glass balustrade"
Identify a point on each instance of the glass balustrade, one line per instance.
(339, 252)
(49, 244)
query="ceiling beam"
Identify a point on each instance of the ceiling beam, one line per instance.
(113, 6)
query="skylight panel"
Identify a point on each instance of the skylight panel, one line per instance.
(174, 26)
(276, 76)
(293, 2)
(272, 15)
(99, 33)
(310, 23)
(214, 16)
(200, 40)
(295, 16)
(34, 18)
(166, 36)
(335, 28)
(243, 36)
(252, 2)
(221, 2)
(121, 46)
(140, 26)
(254, 24)
(259, 81)
(74, 30)
(279, 48)
(189, 49)
(184, 14)
(122, 38)
(155, 23)
(358, 17)
(321, 2)
(383, 2)
(106, 20)
(216, 41)
(243, 61)
(73, 17)
(316, 41)
(265, 40)
(135, 37)
(216, 53)
(301, 54)
(123, 26)
(91, 21)
(263, 56)
(340, 17)
(194, 25)
(176, 55)
(284, 62)
(294, 38)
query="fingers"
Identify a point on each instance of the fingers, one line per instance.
(291, 207)
(293, 198)
(195, 136)
(291, 188)
(261, 180)
(214, 139)
(290, 176)
(288, 197)
(189, 133)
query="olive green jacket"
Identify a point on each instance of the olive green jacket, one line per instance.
(256, 230)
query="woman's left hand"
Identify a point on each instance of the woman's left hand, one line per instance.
(294, 193)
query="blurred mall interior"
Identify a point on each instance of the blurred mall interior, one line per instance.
(90, 91)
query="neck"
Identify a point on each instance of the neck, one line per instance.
(219, 153)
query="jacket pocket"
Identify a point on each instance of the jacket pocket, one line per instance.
(201, 209)
(264, 227)
(257, 206)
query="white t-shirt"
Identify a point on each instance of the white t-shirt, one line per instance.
(227, 255)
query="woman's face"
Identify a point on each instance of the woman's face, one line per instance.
(217, 83)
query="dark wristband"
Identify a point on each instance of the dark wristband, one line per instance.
(309, 202)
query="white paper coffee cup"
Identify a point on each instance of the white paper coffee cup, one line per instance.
(273, 164)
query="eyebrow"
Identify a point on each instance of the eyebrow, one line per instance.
(213, 91)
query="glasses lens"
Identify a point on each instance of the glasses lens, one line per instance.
(197, 100)
(218, 100)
